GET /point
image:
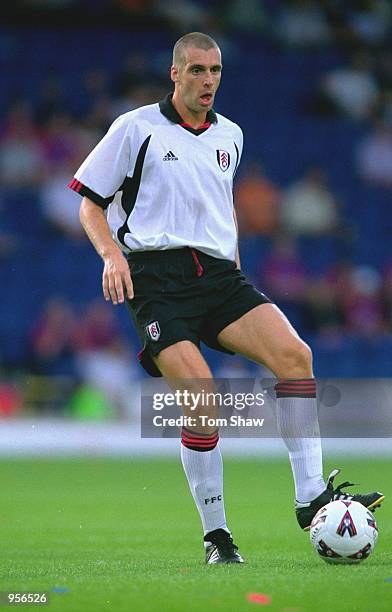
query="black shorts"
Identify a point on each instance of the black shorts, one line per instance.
(184, 294)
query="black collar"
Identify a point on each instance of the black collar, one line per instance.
(167, 108)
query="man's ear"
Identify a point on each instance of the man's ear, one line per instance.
(174, 74)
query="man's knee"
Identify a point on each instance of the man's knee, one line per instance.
(295, 361)
(182, 360)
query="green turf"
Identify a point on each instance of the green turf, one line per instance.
(123, 535)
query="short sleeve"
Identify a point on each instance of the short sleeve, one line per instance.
(104, 170)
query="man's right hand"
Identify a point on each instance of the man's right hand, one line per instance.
(116, 278)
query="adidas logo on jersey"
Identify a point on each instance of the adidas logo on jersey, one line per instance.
(170, 156)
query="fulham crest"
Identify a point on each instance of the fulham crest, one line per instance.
(154, 331)
(223, 158)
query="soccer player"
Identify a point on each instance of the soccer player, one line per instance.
(158, 188)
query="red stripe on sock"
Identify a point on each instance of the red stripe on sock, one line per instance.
(200, 440)
(296, 391)
(295, 387)
(296, 383)
(198, 447)
(303, 387)
(296, 380)
(293, 384)
(208, 446)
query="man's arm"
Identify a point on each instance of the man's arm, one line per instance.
(116, 275)
(237, 253)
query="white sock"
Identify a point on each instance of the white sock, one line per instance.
(298, 425)
(204, 471)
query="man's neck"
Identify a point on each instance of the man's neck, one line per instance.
(195, 120)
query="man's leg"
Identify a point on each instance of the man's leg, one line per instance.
(265, 335)
(200, 452)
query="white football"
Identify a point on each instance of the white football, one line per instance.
(344, 532)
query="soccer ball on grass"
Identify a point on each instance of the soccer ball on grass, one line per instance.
(344, 532)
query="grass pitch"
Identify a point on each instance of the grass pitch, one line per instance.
(124, 535)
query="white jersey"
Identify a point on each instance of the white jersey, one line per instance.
(163, 184)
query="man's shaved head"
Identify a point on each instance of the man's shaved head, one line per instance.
(197, 40)
(196, 74)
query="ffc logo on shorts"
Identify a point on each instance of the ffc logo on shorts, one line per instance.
(154, 331)
(223, 158)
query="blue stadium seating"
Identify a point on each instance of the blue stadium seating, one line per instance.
(264, 90)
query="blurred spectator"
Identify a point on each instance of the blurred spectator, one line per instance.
(387, 294)
(104, 362)
(338, 276)
(88, 132)
(136, 70)
(383, 110)
(140, 7)
(134, 97)
(21, 154)
(183, 15)
(66, 144)
(322, 312)
(282, 274)
(112, 371)
(59, 142)
(96, 84)
(351, 90)
(308, 206)
(8, 244)
(248, 16)
(302, 23)
(138, 83)
(9, 241)
(52, 340)
(336, 16)
(257, 201)
(383, 69)
(374, 156)
(362, 302)
(98, 120)
(89, 350)
(87, 403)
(60, 205)
(369, 20)
(97, 327)
(284, 278)
(50, 99)
(10, 399)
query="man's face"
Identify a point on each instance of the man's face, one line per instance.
(198, 80)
